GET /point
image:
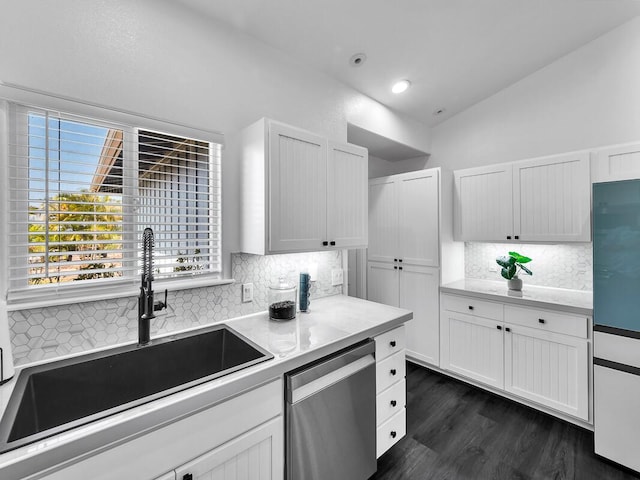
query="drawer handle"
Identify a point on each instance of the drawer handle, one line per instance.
(499, 327)
(399, 259)
(508, 237)
(332, 243)
(400, 268)
(393, 371)
(470, 307)
(541, 320)
(393, 403)
(507, 329)
(187, 476)
(325, 244)
(392, 343)
(393, 434)
(516, 237)
(395, 267)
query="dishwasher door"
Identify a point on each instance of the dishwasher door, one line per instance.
(331, 417)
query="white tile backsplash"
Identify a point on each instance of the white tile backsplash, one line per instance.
(559, 266)
(50, 332)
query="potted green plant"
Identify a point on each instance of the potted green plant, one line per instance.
(511, 266)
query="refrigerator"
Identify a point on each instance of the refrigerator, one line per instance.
(616, 310)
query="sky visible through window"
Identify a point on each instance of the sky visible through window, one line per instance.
(74, 153)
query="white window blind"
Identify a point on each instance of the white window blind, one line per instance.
(82, 191)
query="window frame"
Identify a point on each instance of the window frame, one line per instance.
(71, 292)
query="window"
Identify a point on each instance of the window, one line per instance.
(82, 191)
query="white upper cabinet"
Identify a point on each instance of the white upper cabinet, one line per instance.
(300, 192)
(618, 162)
(404, 218)
(418, 228)
(483, 203)
(383, 220)
(538, 200)
(347, 171)
(552, 199)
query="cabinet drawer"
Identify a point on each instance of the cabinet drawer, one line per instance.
(473, 306)
(390, 432)
(547, 320)
(389, 371)
(390, 342)
(391, 401)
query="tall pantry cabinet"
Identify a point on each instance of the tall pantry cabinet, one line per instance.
(403, 267)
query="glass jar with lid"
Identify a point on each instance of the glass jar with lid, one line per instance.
(282, 300)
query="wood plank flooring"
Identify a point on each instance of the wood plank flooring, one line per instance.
(457, 431)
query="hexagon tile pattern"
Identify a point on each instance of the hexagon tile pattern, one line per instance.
(50, 332)
(559, 266)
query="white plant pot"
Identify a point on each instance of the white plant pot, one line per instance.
(515, 284)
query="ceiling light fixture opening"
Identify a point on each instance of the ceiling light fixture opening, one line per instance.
(357, 60)
(400, 86)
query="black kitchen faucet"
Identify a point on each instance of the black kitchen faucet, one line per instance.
(146, 305)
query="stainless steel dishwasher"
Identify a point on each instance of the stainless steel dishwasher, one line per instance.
(331, 417)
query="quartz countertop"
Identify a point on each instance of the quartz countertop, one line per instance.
(571, 301)
(331, 324)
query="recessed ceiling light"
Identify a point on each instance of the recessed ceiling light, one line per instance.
(400, 86)
(357, 60)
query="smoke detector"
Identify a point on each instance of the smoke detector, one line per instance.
(357, 60)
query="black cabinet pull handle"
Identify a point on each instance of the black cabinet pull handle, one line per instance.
(507, 329)
(393, 371)
(470, 307)
(392, 343)
(393, 403)
(332, 243)
(395, 267)
(399, 259)
(399, 268)
(187, 476)
(508, 237)
(498, 327)
(324, 244)
(393, 434)
(516, 237)
(395, 259)
(541, 320)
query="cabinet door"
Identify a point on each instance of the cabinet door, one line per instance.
(383, 220)
(382, 283)
(256, 454)
(548, 368)
(418, 228)
(472, 347)
(297, 190)
(483, 204)
(419, 292)
(619, 162)
(552, 198)
(347, 193)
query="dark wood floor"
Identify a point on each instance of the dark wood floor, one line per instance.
(456, 431)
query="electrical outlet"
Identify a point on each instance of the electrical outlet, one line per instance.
(247, 292)
(337, 277)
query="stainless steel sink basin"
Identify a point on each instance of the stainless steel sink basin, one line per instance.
(58, 396)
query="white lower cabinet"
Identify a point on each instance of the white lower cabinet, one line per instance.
(257, 454)
(541, 356)
(391, 389)
(415, 288)
(547, 368)
(472, 346)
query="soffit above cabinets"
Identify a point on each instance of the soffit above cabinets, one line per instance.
(381, 147)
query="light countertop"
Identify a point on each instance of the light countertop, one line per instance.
(331, 324)
(571, 301)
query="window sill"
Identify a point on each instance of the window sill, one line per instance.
(129, 291)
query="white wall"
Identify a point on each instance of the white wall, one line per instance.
(159, 59)
(589, 98)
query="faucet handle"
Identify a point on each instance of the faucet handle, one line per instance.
(161, 305)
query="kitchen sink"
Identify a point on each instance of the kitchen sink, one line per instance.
(57, 396)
